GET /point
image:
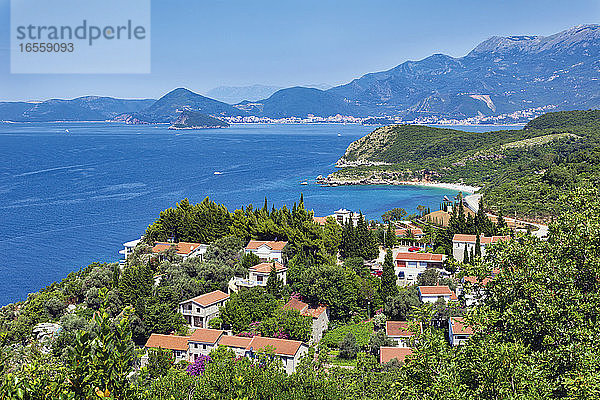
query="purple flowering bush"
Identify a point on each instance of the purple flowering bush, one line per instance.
(197, 367)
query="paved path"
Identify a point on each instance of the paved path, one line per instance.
(472, 201)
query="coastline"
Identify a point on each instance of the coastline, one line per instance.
(459, 187)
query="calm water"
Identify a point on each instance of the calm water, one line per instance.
(70, 199)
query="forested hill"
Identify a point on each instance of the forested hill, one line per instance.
(522, 172)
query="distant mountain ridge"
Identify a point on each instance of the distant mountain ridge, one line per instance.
(88, 108)
(500, 76)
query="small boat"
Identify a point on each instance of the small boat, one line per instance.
(339, 134)
(304, 183)
(66, 131)
(217, 173)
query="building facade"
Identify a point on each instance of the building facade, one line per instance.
(201, 309)
(266, 250)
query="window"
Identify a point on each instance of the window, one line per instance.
(259, 278)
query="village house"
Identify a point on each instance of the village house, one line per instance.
(203, 341)
(387, 354)
(410, 265)
(237, 344)
(128, 248)
(288, 351)
(342, 216)
(472, 289)
(184, 249)
(201, 309)
(462, 243)
(266, 250)
(319, 316)
(320, 220)
(431, 294)
(458, 332)
(400, 332)
(177, 344)
(258, 276)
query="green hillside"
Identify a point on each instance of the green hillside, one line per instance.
(521, 172)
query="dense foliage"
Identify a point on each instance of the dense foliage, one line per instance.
(522, 172)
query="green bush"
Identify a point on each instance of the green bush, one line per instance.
(361, 331)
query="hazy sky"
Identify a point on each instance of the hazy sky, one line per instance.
(201, 44)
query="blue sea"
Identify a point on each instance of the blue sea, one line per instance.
(69, 199)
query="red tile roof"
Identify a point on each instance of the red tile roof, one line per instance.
(170, 342)
(208, 298)
(320, 220)
(255, 244)
(204, 335)
(235, 341)
(459, 327)
(183, 248)
(387, 354)
(404, 231)
(398, 328)
(265, 268)
(304, 309)
(482, 239)
(420, 257)
(437, 291)
(474, 280)
(281, 346)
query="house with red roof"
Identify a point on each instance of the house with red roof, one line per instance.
(198, 311)
(410, 265)
(400, 332)
(183, 249)
(258, 276)
(387, 354)
(266, 250)
(319, 316)
(431, 294)
(459, 331)
(462, 243)
(290, 352)
(177, 344)
(203, 341)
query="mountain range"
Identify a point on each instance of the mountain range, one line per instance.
(501, 75)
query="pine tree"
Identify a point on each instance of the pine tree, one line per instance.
(388, 287)
(390, 237)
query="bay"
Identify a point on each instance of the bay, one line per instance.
(68, 199)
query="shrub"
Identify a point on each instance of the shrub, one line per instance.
(348, 347)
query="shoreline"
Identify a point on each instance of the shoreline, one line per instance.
(459, 187)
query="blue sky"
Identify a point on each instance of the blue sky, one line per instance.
(201, 44)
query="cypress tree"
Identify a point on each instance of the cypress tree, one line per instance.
(478, 246)
(466, 255)
(388, 287)
(274, 284)
(390, 237)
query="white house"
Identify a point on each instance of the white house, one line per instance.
(459, 333)
(410, 265)
(288, 351)
(203, 341)
(473, 289)
(238, 344)
(266, 250)
(128, 249)
(461, 242)
(201, 309)
(342, 216)
(319, 316)
(400, 332)
(430, 294)
(258, 276)
(177, 344)
(184, 249)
